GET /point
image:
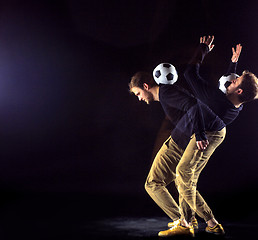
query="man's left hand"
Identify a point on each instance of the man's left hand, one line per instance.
(202, 145)
(208, 41)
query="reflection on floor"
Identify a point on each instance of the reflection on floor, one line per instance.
(147, 228)
(82, 217)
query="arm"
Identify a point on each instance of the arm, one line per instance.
(192, 120)
(201, 139)
(206, 45)
(197, 84)
(200, 87)
(234, 59)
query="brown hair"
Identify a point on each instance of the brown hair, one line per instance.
(139, 78)
(249, 85)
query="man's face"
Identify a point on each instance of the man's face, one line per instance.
(143, 94)
(234, 86)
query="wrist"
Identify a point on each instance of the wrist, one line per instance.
(200, 136)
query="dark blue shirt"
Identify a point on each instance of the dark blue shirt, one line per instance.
(187, 114)
(208, 92)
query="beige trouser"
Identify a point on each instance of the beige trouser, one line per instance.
(184, 167)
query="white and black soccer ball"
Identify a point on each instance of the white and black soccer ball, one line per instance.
(226, 80)
(165, 73)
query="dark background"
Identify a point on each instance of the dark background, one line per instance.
(67, 122)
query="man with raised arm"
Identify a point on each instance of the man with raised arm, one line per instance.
(238, 91)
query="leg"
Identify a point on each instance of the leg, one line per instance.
(189, 168)
(187, 212)
(161, 174)
(162, 136)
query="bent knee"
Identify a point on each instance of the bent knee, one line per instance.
(179, 172)
(147, 186)
(153, 186)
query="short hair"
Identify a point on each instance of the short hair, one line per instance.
(139, 78)
(249, 85)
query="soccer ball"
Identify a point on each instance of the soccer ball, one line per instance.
(225, 81)
(165, 73)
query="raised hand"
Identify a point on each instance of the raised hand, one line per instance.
(208, 41)
(236, 53)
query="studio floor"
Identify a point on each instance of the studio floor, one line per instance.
(77, 217)
(147, 228)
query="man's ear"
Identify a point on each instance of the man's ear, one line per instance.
(239, 91)
(146, 86)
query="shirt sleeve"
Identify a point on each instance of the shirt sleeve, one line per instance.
(199, 128)
(199, 54)
(200, 87)
(231, 68)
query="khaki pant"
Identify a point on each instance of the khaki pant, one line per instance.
(184, 167)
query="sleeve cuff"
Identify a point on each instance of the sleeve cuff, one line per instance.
(200, 136)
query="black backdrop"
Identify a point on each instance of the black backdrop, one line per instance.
(67, 121)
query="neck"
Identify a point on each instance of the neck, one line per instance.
(155, 93)
(234, 100)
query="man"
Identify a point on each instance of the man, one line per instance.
(241, 90)
(189, 116)
(207, 93)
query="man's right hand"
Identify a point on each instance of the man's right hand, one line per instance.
(208, 41)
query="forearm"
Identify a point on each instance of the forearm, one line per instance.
(199, 128)
(199, 54)
(231, 68)
(198, 85)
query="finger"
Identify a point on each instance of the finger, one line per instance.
(208, 40)
(204, 144)
(212, 46)
(199, 146)
(239, 48)
(212, 38)
(201, 40)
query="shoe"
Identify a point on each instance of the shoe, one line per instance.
(177, 230)
(217, 230)
(173, 224)
(193, 223)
